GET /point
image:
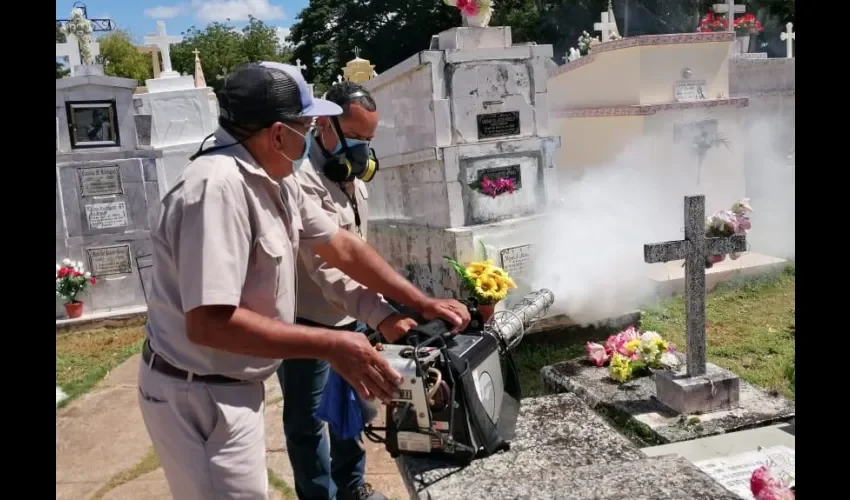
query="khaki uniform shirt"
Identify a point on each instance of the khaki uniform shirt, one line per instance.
(331, 298)
(228, 234)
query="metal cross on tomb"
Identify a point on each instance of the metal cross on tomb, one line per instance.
(694, 249)
(730, 9)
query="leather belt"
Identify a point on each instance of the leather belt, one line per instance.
(158, 364)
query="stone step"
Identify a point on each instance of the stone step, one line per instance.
(726, 445)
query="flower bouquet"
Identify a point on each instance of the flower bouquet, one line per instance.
(727, 223)
(484, 281)
(585, 42)
(712, 22)
(747, 25)
(765, 485)
(631, 353)
(495, 187)
(475, 12)
(71, 280)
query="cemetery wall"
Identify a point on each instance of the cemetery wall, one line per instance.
(597, 140)
(662, 64)
(752, 77)
(97, 88)
(174, 161)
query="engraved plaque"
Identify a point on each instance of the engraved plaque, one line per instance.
(516, 261)
(107, 215)
(100, 181)
(507, 172)
(105, 261)
(498, 124)
(690, 90)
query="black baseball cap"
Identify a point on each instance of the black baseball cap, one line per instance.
(256, 95)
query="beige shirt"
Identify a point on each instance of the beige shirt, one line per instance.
(332, 298)
(228, 234)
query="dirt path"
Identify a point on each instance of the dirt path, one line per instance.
(103, 450)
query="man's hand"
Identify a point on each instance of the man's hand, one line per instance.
(448, 309)
(354, 358)
(395, 326)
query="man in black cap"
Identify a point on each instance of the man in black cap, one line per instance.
(221, 314)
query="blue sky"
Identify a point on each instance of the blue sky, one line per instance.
(140, 16)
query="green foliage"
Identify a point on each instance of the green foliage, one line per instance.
(465, 279)
(61, 72)
(120, 57)
(222, 48)
(60, 34)
(69, 286)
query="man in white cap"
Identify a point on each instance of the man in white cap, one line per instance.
(221, 314)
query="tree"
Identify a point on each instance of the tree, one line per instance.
(120, 57)
(222, 48)
(61, 71)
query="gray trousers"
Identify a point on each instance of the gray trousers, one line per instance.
(210, 438)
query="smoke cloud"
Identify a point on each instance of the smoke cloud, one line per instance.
(592, 254)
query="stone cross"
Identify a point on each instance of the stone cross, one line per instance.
(356, 52)
(606, 26)
(730, 9)
(695, 248)
(338, 79)
(301, 67)
(789, 36)
(163, 41)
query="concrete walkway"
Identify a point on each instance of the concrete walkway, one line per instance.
(101, 436)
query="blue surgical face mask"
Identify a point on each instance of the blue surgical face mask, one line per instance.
(350, 142)
(308, 141)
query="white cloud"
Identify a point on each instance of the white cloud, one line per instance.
(282, 33)
(237, 10)
(165, 11)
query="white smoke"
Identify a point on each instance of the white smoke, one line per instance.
(591, 256)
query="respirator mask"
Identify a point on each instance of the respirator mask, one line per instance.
(351, 159)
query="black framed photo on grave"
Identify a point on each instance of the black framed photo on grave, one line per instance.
(92, 124)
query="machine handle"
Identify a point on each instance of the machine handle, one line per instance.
(433, 328)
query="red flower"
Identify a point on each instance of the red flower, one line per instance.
(93, 281)
(468, 7)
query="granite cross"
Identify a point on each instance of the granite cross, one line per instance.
(606, 26)
(789, 36)
(695, 248)
(730, 9)
(163, 41)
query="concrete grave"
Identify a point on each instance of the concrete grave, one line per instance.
(474, 108)
(562, 450)
(107, 190)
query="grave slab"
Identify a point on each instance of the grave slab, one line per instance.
(669, 277)
(554, 436)
(649, 422)
(727, 445)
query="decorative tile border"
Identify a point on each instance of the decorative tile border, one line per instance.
(767, 93)
(646, 40)
(648, 109)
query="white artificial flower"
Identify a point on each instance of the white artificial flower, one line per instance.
(650, 336)
(58, 267)
(66, 262)
(87, 275)
(669, 360)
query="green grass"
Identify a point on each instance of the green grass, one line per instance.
(281, 486)
(85, 357)
(749, 327)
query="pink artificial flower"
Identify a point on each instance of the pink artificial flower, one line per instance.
(617, 343)
(504, 184)
(488, 187)
(742, 224)
(765, 486)
(597, 353)
(717, 258)
(468, 7)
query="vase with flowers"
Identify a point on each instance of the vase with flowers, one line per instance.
(745, 27)
(486, 282)
(71, 280)
(475, 13)
(725, 223)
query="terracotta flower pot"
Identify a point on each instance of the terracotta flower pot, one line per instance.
(74, 309)
(487, 311)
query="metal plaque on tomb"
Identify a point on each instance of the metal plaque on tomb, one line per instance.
(498, 124)
(100, 181)
(104, 261)
(107, 215)
(511, 172)
(690, 90)
(516, 261)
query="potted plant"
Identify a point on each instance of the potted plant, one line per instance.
(746, 26)
(486, 282)
(71, 280)
(475, 13)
